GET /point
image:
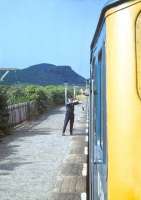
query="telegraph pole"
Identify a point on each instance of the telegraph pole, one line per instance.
(74, 91)
(66, 91)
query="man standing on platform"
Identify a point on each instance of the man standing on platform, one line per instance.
(69, 116)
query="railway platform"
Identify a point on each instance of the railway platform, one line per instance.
(71, 182)
(72, 179)
(38, 163)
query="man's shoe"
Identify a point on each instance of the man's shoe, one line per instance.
(70, 133)
(63, 134)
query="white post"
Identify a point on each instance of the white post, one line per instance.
(86, 85)
(74, 92)
(66, 88)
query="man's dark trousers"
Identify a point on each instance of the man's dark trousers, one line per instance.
(69, 117)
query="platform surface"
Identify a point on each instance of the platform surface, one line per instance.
(38, 163)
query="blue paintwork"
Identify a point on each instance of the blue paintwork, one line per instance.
(108, 3)
(98, 73)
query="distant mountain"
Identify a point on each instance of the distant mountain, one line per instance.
(44, 74)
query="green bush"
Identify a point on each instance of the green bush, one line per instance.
(16, 95)
(44, 96)
(55, 94)
(37, 94)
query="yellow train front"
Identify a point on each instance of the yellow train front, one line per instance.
(115, 104)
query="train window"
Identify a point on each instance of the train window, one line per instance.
(138, 50)
(100, 77)
(101, 102)
(93, 78)
(100, 56)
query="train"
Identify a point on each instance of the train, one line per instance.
(115, 103)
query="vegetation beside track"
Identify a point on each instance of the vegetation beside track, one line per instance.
(44, 96)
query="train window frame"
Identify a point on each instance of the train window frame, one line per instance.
(101, 134)
(100, 57)
(103, 102)
(94, 91)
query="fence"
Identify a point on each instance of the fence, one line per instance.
(21, 112)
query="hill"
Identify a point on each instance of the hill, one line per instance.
(44, 74)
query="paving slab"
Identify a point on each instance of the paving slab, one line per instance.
(65, 196)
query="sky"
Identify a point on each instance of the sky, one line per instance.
(48, 31)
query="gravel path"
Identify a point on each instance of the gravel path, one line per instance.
(31, 157)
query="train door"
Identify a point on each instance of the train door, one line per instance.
(100, 156)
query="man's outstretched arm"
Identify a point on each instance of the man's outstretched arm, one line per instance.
(76, 102)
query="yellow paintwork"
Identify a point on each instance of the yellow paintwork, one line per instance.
(123, 105)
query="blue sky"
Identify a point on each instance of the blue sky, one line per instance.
(47, 31)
